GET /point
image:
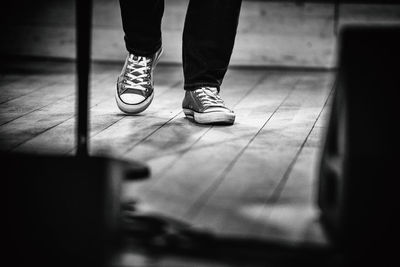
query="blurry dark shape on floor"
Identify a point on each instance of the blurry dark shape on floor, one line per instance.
(62, 211)
(358, 179)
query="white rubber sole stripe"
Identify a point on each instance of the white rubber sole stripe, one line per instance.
(210, 117)
(133, 109)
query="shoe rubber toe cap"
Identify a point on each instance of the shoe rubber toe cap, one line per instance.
(132, 99)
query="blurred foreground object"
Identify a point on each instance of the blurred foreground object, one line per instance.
(359, 169)
(64, 211)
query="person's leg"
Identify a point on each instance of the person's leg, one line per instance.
(141, 21)
(208, 38)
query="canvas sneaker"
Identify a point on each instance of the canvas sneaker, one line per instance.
(135, 84)
(205, 106)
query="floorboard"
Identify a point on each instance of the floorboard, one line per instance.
(294, 210)
(239, 204)
(254, 179)
(211, 154)
(21, 85)
(28, 116)
(103, 112)
(170, 143)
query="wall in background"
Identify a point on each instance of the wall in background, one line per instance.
(269, 34)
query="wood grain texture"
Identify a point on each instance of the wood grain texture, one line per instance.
(35, 113)
(163, 149)
(294, 208)
(162, 114)
(212, 153)
(239, 204)
(21, 86)
(252, 179)
(28, 103)
(104, 113)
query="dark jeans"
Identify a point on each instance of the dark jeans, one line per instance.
(208, 36)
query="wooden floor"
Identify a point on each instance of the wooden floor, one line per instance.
(254, 179)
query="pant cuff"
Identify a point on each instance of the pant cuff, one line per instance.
(143, 52)
(194, 86)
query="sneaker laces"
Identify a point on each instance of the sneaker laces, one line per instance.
(138, 72)
(209, 97)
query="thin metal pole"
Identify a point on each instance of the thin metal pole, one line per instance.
(336, 16)
(83, 43)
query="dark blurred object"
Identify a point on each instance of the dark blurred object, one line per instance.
(359, 168)
(64, 211)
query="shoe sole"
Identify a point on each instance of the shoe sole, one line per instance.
(133, 108)
(210, 117)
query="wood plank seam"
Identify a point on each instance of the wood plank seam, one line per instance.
(15, 146)
(220, 209)
(209, 127)
(43, 106)
(8, 121)
(172, 86)
(279, 188)
(176, 84)
(187, 149)
(104, 101)
(154, 131)
(195, 208)
(294, 206)
(46, 84)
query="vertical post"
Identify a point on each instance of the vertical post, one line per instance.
(336, 14)
(83, 43)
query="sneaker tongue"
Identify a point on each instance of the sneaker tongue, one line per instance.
(139, 60)
(214, 90)
(136, 58)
